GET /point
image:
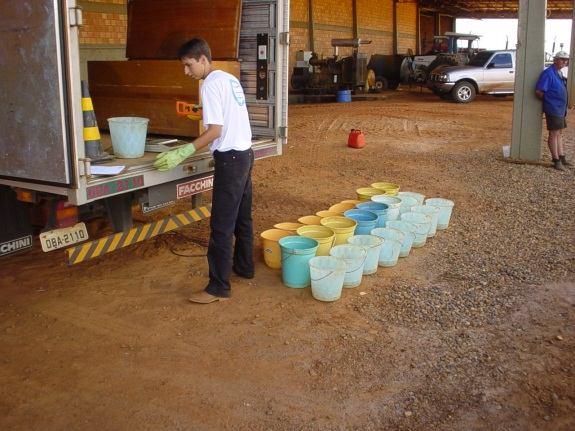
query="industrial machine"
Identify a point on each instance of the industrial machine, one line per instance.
(451, 49)
(328, 75)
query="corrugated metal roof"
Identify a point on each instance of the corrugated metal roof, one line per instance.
(494, 8)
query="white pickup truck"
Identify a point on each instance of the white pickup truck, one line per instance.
(488, 72)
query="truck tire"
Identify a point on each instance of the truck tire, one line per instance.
(463, 92)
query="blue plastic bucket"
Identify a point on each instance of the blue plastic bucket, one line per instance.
(432, 212)
(365, 220)
(393, 203)
(327, 274)
(408, 230)
(445, 208)
(343, 96)
(128, 136)
(354, 258)
(372, 245)
(296, 253)
(418, 196)
(423, 224)
(392, 240)
(379, 209)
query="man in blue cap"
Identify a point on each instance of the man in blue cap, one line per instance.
(551, 88)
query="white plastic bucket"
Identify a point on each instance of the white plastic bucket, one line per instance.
(327, 274)
(372, 245)
(432, 212)
(128, 136)
(418, 196)
(393, 204)
(406, 203)
(392, 240)
(408, 230)
(423, 223)
(445, 208)
(354, 258)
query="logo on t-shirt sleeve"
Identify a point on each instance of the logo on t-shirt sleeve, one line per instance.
(238, 92)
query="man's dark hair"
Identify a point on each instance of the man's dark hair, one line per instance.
(195, 48)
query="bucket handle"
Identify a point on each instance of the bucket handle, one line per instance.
(321, 278)
(360, 265)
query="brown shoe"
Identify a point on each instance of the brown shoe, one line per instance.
(558, 165)
(204, 297)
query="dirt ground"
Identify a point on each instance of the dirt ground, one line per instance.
(474, 331)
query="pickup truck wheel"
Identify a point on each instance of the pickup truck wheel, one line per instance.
(463, 92)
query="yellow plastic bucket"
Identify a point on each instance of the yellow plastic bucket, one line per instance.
(350, 201)
(342, 226)
(310, 219)
(327, 213)
(271, 247)
(390, 189)
(324, 236)
(288, 226)
(365, 193)
(341, 208)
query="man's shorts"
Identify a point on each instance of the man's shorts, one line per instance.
(555, 122)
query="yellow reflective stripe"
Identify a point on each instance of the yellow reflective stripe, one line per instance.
(183, 219)
(144, 232)
(115, 242)
(130, 236)
(91, 134)
(87, 104)
(82, 254)
(99, 248)
(157, 227)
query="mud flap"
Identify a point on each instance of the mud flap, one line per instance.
(15, 229)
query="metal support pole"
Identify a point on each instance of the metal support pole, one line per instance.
(395, 27)
(571, 74)
(527, 124)
(310, 25)
(354, 17)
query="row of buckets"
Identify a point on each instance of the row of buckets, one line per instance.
(334, 248)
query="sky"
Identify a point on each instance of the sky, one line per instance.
(494, 32)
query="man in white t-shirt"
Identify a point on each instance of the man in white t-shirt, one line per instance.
(227, 124)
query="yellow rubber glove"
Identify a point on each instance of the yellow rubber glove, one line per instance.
(170, 159)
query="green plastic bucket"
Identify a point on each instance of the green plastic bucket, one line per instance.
(128, 136)
(406, 203)
(445, 208)
(327, 274)
(296, 253)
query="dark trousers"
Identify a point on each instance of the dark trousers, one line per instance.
(231, 215)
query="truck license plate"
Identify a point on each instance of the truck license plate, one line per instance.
(58, 238)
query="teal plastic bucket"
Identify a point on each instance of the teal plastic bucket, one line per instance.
(379, 209)
(128, 136)
(408, 230)
(366, 221)
(432, 212)
(296, 253)
(354, 258)
(406, 203)
(372, 245)
(418, 196)
(343, 96)
(327, 274)
(445, 208)
(392, 203)
(392, 240)
(422, 222)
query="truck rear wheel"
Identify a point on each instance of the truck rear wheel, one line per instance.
(463, 92)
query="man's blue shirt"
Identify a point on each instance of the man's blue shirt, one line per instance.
(555, 98)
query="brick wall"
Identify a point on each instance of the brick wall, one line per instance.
(105, 22)
(335, 20)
